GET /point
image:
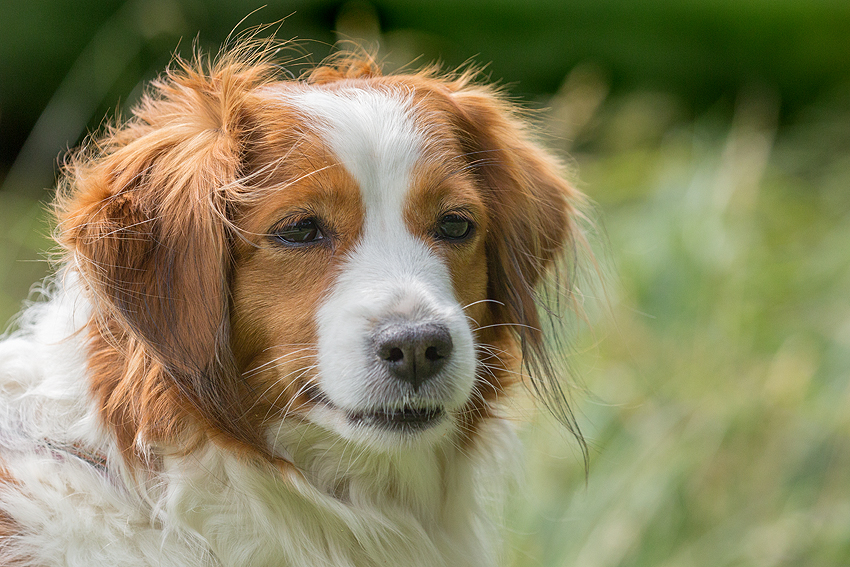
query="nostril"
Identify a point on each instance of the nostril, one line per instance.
(432, 354)
(394, 355)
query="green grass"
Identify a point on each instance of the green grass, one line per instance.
(714, 368)
(24, 244)
(717, 370)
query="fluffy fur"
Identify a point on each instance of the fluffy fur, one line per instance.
(216, 375)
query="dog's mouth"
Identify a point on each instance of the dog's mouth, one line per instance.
(408, 418)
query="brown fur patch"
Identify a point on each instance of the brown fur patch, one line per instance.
(277, 289)
(145, 221)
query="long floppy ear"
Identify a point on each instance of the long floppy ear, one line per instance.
(533, 225)
(144, 219)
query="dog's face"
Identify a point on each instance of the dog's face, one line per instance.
(365, 274)
(355, 251)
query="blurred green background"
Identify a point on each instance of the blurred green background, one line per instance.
(713, 137)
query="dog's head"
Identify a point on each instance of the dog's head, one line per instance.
(352, 250)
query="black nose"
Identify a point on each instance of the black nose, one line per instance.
(413, 352)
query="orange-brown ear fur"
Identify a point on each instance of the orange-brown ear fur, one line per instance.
(533, 226)
(144, 218)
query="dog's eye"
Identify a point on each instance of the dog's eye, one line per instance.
(454, 227)
(305, 231)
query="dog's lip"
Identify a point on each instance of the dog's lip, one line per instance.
(406, 418)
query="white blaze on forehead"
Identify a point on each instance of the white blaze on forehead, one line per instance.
(373, 134)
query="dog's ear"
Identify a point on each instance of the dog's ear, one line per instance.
(144, 218)
(533, 220)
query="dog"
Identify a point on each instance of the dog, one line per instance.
(287, 321)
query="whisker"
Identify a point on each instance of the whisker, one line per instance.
(286, 409)
(468, 305)
(520, 325)
(275, 361)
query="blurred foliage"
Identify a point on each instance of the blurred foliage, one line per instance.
(66, 63)
(717, 365)
(713, 137)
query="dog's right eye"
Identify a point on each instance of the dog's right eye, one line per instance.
(300, 232)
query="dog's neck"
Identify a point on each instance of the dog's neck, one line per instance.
(423, 505)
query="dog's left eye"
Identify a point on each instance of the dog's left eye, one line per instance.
(454, 227)
(305, 231)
